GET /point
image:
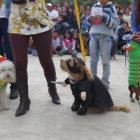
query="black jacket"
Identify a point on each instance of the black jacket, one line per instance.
(97, 95)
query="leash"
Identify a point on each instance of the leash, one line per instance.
(125, 57)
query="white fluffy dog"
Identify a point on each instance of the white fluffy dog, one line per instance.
(7, 75)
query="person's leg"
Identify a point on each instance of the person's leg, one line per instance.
(1, 43)
(43, 43)
(94, 53)
(105, 51)
(7, 46)
(64, 51)
(74, 53)
(19, 45)
(8, 51)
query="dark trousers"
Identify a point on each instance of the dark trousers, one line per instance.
(5, 48)
(43, 43)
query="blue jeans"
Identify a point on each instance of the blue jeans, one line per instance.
(64, 51)
(100, 43)
(6, 47)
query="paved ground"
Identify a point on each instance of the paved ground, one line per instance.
(46, 121)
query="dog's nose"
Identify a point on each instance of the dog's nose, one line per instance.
(8, 75)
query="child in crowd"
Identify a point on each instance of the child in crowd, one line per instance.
(77, 41)
(61, 26)
(86, 40)
(56, 43)
(68, 43)
(31, 48)
(85, 25)
(125, 29)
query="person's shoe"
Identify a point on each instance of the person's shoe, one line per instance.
(52, 90)
(13, 91)
(55, 97)
(23, 107)
(25, 102)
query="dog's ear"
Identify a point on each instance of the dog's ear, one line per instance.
(71, 62)
(88, 73)
(79, 60)
(84, 68)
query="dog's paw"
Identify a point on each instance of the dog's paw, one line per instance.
(82, 111)
(75, 107)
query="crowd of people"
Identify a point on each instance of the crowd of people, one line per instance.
(66, 33)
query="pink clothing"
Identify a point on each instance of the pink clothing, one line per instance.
(69, 44)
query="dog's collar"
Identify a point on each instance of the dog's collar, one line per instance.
(2, 85)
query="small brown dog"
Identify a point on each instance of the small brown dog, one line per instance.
(135, 90)
(88, 90)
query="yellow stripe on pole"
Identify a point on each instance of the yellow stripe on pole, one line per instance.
(78, 22)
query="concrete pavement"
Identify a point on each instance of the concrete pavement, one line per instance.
(46, 121)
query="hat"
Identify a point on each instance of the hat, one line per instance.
(75, 68)
(49, 4)
(2, 58)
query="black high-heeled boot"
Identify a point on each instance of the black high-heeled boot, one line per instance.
(52, 90)
(25, 102)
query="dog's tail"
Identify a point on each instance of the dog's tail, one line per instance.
(119, 108)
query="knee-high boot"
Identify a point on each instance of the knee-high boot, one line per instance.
(52, 90)
(24, 105)
(13, 91)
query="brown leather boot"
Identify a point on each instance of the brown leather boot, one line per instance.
(52, 90)
(24, 105)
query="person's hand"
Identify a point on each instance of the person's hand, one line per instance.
(91, 18)
(136, 37)
(138, 33)
(70, 51)
(98, 18)
(84, 22)
(64, 85)
(127, 30)
(132, 37)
